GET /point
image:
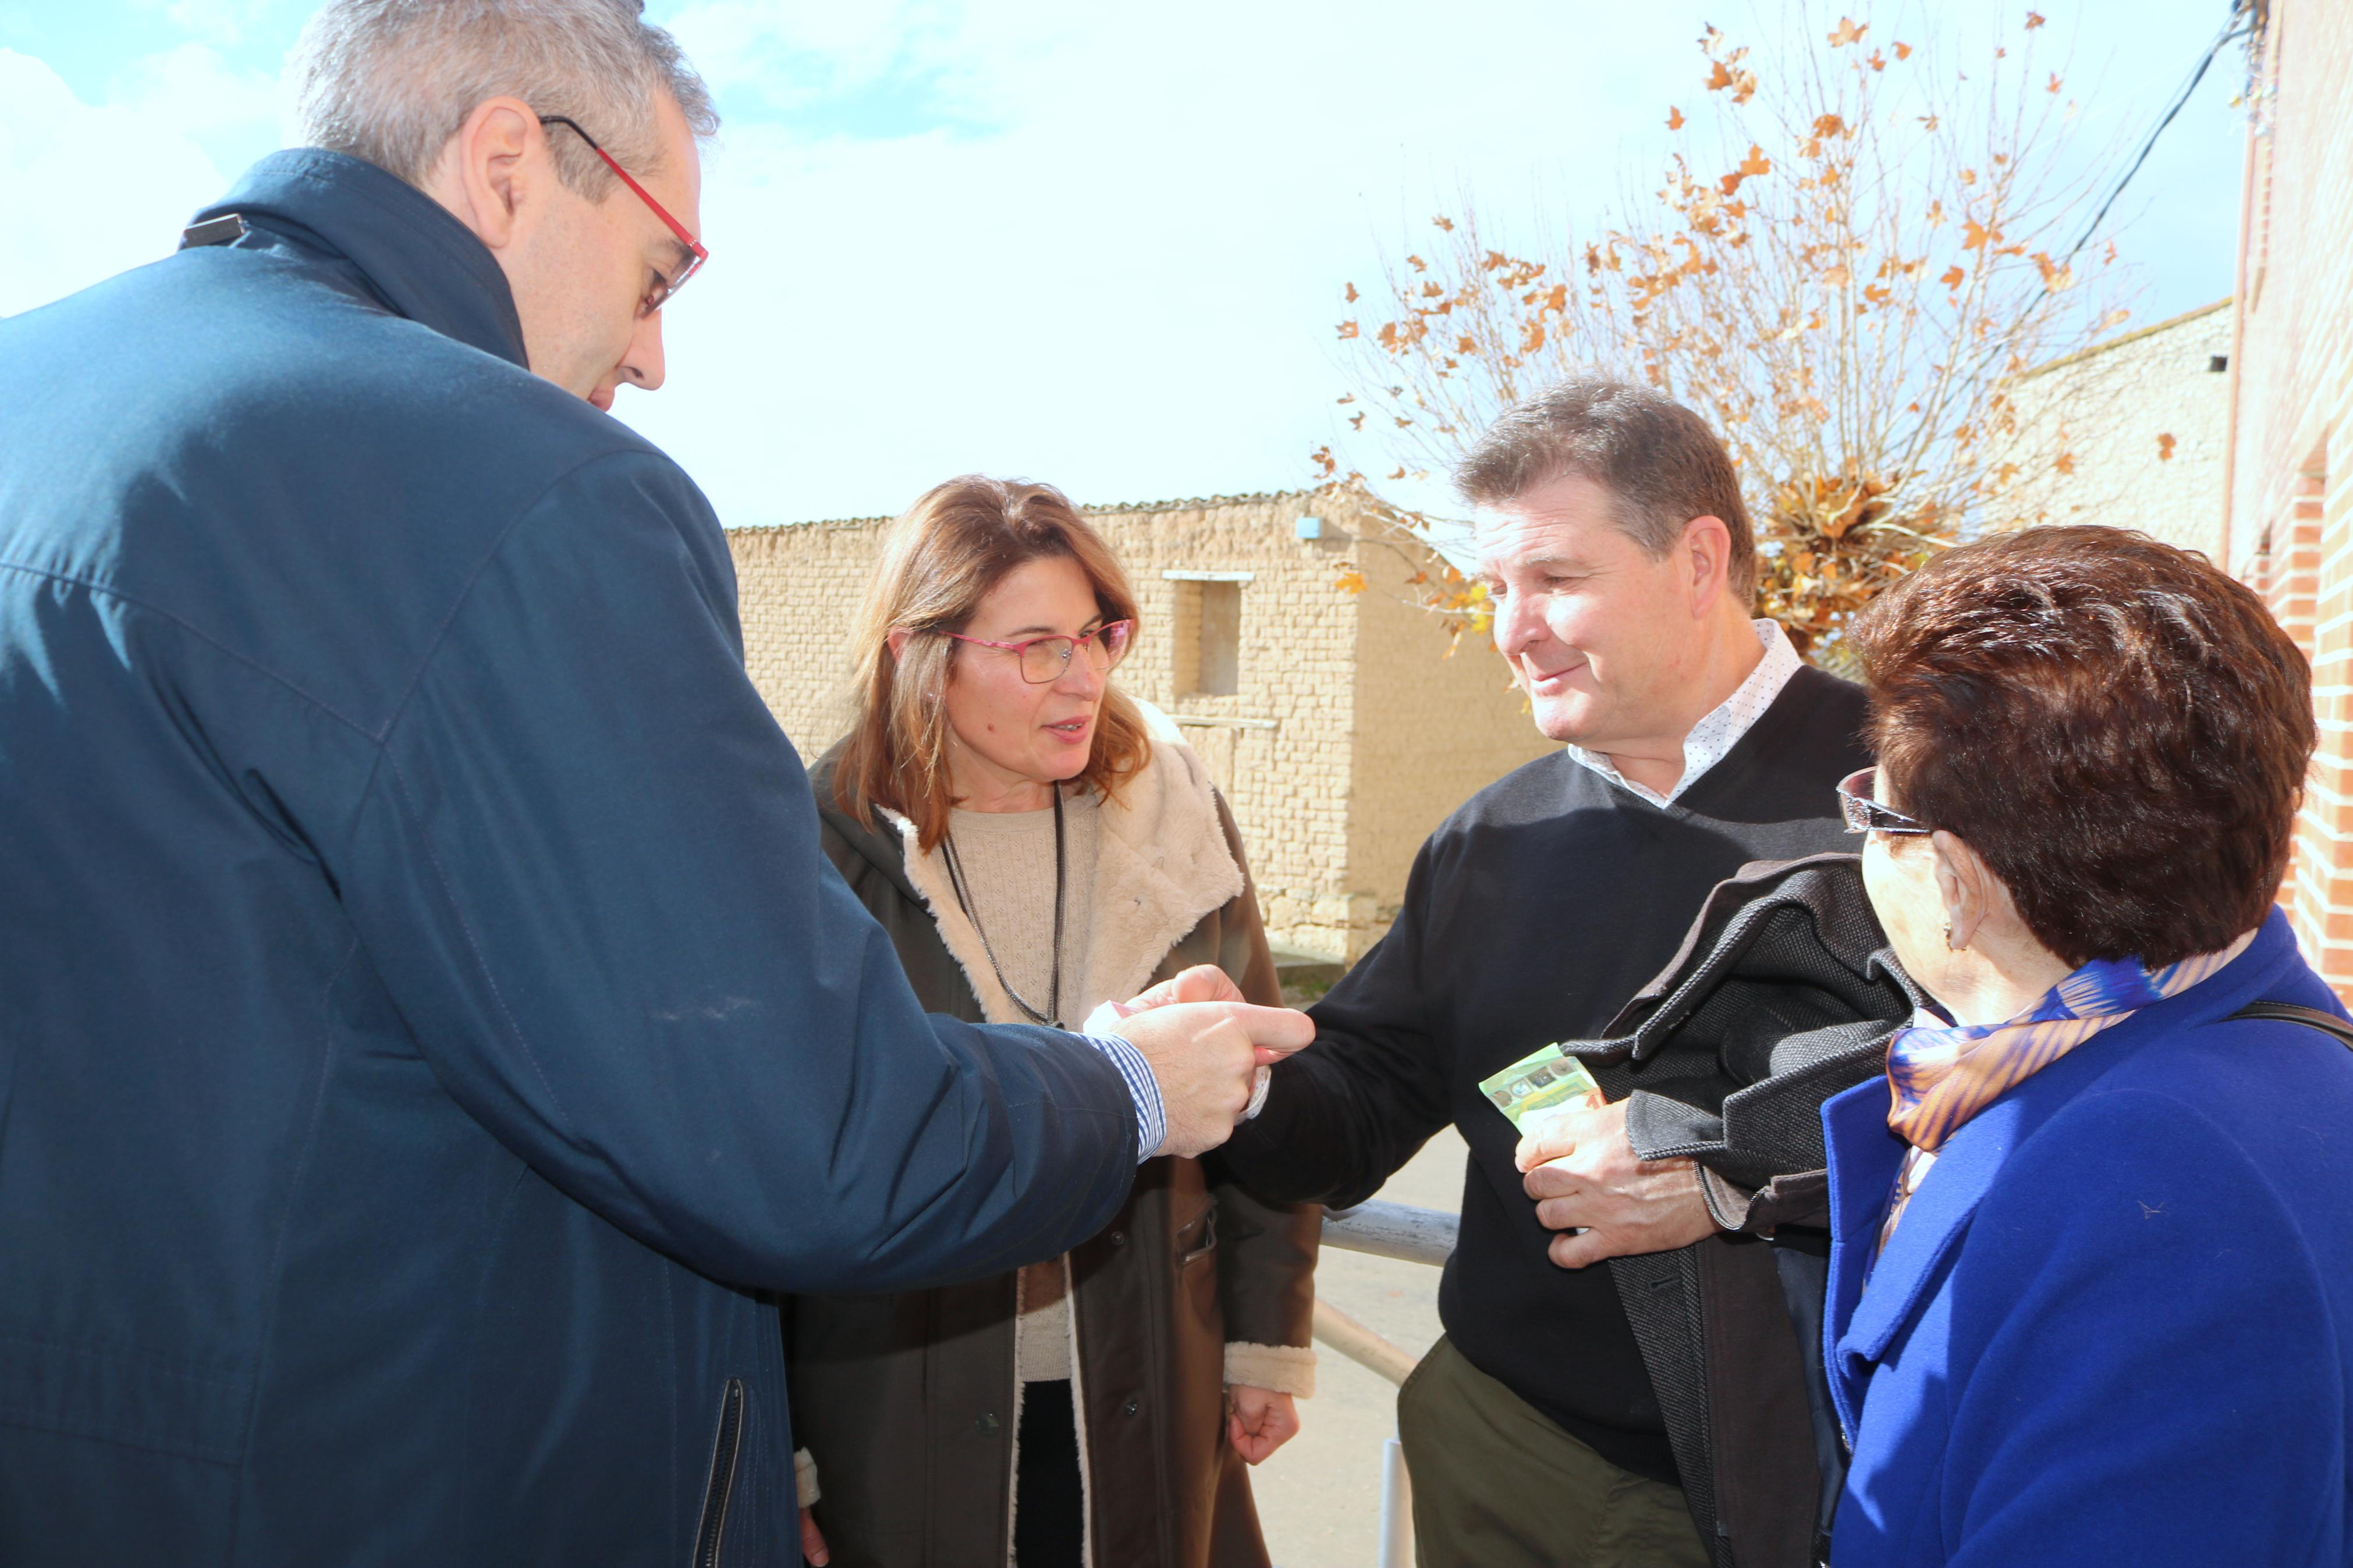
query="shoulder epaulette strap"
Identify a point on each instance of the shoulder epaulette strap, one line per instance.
(2289, 1012)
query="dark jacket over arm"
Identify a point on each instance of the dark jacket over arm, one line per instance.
(1531, 916)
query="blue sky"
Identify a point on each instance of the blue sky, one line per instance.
(1100, 246)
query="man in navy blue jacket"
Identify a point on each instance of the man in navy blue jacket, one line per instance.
(427, 1019)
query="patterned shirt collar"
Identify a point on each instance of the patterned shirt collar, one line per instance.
(1721, 729)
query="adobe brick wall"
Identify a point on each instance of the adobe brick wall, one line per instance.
(2291, 490)
(2106, 409)
(1412, 695)
(1349, 737)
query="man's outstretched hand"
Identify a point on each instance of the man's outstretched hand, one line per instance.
(1205, 1055)
(1584, 1174)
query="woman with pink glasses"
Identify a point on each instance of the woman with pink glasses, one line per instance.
(1038, 844)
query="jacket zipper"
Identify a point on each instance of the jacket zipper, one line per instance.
(721, 1489)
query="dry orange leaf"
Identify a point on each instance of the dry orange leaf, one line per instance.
(1756, 164)
(1903, 51)
(2164, 445)
(2033, 20)
(2065, 463)
(1719, 77)
(1953, 278)
(1347, 329)
(1674, 118)
(1847, 31)
(1830, 125)
(1350, 297)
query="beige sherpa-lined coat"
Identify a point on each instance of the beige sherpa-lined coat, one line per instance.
(907, 1407)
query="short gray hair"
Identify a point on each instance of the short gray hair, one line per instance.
(1659, 462)
(392, 80)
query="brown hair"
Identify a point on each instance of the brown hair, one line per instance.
(2120, 731)
(939, 561)
(1659, 462)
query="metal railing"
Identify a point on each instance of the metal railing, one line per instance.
(1414, 1235)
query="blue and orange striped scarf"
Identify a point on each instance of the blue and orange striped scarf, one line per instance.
(1942, 1077)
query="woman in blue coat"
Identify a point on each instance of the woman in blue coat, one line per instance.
(2092, 1282)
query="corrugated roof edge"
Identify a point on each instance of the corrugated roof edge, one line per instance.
(1186, 503)
(2080, 355)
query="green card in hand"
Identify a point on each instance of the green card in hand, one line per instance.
(1540, 1085)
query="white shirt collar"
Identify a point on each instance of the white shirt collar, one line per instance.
(1721, 728)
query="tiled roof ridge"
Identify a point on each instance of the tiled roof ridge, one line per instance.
(2121, 339)
(1105, 508)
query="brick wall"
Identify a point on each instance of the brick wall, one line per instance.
(1412, 698)
(2292, 488)
(1349, 735)
(2109, 408)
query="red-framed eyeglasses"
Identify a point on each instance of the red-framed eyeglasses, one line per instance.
(663, 288)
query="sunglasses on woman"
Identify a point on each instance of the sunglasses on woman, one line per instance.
(1864, 815)
(1045, 659)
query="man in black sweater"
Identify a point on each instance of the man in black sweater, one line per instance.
(1616, 548)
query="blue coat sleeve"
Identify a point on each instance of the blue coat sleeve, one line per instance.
(2138, 1339)
(588, 867)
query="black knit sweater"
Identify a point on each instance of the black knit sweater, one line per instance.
(1531, 916)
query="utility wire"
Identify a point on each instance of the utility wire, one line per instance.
(2230, 29)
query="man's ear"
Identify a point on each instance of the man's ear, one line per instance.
(495, 169)
(1707, 545)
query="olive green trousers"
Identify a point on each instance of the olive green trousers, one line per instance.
(1498, 1485)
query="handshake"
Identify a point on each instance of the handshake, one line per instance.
(1205, 1046)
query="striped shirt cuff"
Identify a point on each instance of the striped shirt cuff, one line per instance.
(1151, 1116)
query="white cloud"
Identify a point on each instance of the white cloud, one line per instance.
(93, 189)
(191, 89)
(222, 22)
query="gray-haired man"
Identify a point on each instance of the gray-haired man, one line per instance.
(1613, 539)
(428, 1019)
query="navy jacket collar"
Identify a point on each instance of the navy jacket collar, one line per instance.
(416, 258)
(1862, 1323)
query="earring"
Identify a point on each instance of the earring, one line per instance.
(1950, 945)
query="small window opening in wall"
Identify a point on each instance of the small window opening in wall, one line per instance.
(2216, 363)
(1220, 640)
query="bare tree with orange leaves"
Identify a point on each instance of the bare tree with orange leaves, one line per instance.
(1889, 243)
